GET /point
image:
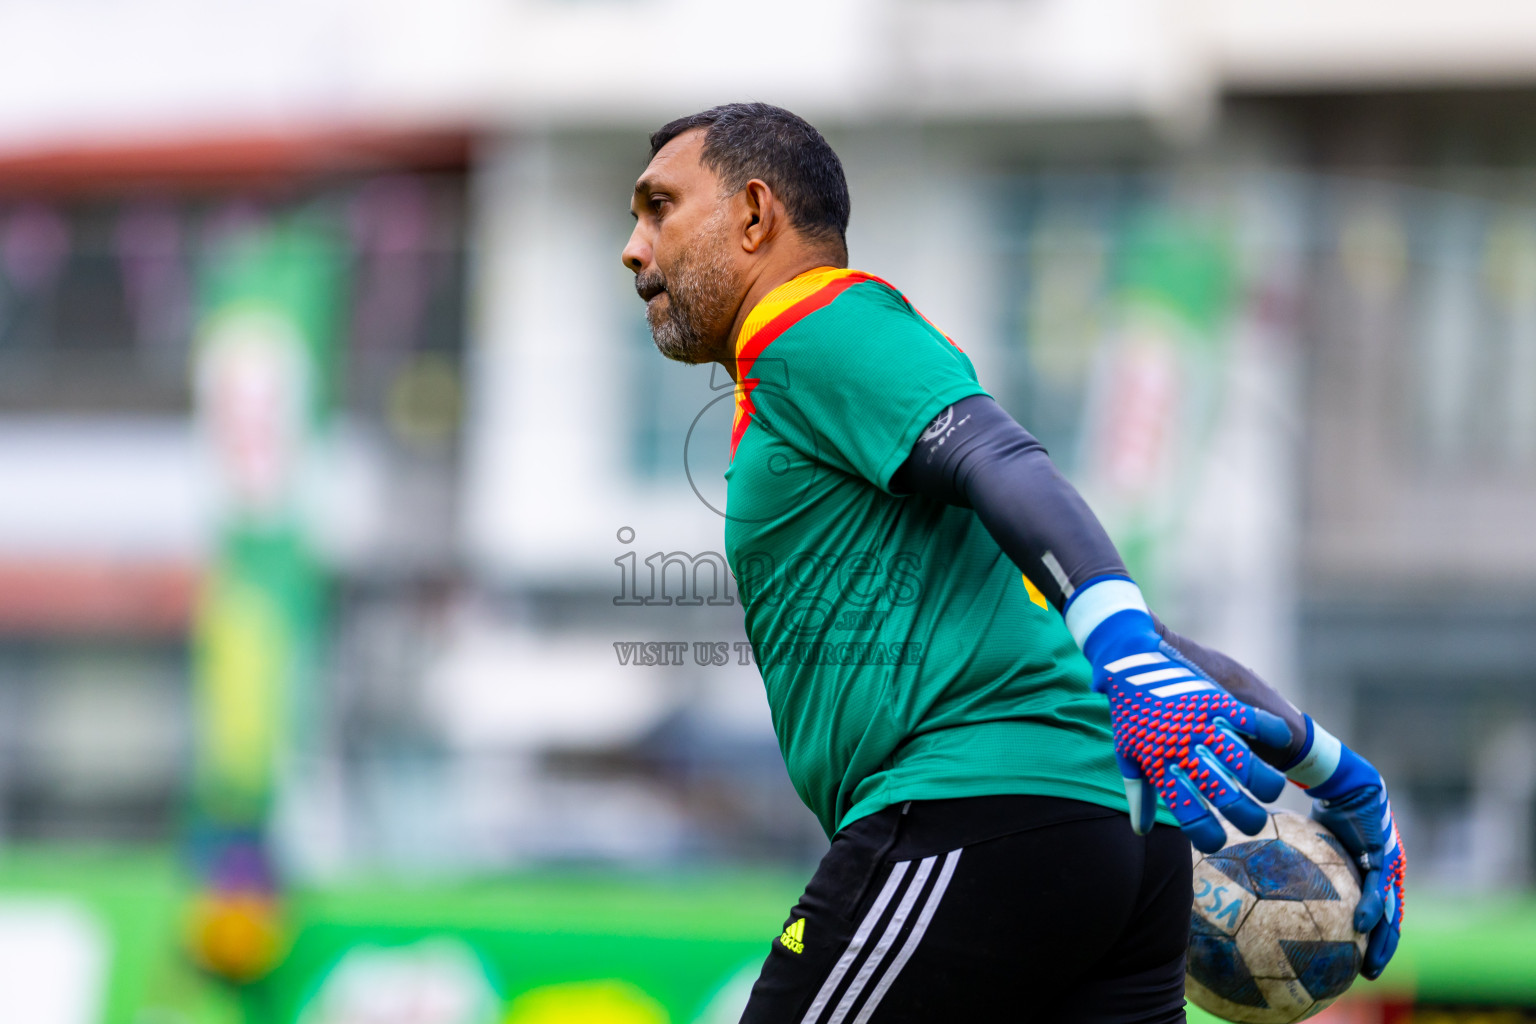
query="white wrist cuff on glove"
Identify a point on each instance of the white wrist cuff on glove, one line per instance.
(1093, 604)
(1321, 761)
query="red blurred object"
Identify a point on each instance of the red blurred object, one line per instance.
(72, 598)
(1367, 1011)
(222, 161)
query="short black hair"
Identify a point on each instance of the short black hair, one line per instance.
(743, 141)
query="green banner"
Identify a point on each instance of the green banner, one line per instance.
(265, 354)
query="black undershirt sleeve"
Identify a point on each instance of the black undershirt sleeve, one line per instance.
(1241, 682)
(977, 456)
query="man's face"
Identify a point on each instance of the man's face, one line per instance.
(685, 267)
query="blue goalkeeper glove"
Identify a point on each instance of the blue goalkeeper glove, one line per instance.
(1177, 734)
(1350, 798)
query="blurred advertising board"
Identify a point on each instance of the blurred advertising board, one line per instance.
(102, 940)
(568, 947)
(94, 938)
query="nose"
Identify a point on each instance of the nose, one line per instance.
(637, 253)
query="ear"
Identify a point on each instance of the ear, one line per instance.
(763, 214)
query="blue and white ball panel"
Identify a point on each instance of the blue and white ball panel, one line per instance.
(1325, 969)
(1223, 897)
(1313, 839)
(1272, 924)
(1271, 927)
(1337, 917)
(1271, 870)
(1213, 956)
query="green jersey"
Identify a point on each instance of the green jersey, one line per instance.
(904, 655)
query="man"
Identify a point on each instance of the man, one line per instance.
(939, 618)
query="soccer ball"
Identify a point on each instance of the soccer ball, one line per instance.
(1272, 936)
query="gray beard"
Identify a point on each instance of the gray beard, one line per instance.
(700, 290)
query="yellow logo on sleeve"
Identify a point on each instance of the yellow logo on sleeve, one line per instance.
(794, 936)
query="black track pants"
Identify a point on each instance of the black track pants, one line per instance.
(1006, 908)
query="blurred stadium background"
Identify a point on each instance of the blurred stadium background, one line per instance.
(338, 474)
